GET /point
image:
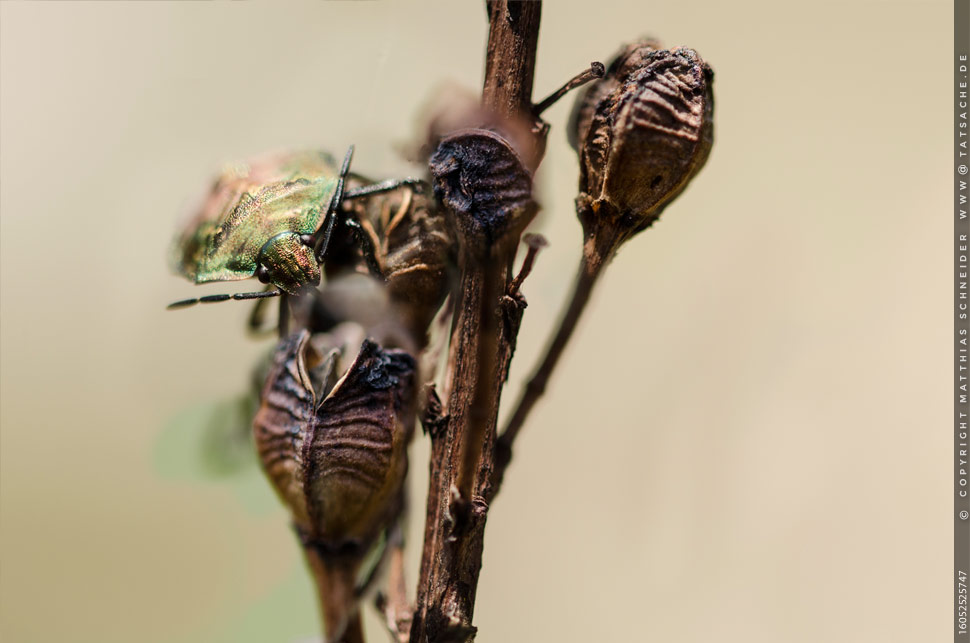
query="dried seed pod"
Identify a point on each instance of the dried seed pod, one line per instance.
(484, 185)
(628, 59)
(334, 447)
(417, 260)
(645, 130)
(416, 250)
(339, 464)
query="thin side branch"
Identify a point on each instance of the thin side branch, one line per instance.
(594, 261)
(394, 605)
(596, 70)
(535, 242)
(335, 592)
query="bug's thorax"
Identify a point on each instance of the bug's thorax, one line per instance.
(288, 263)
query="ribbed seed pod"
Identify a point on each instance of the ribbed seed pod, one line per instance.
(627, 60)
(416, 251)
(417, 255)
(644, 131)
(335, 448)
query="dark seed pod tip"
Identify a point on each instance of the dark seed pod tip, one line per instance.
(484, 186)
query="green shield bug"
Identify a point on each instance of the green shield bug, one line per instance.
(270, 218)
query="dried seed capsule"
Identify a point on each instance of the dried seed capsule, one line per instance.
(416, 251)
(334, 446)
(483, 183)
(627, 60)
(644, 132)
(417, 257)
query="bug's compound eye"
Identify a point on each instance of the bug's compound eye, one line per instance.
(307, 240)
(262, 274)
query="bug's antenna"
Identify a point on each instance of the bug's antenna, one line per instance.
(344, 169)
(214, 299)
(338, 196)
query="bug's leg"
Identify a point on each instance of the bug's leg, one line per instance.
(284, 324)
(367, 246)
(386, 186)
(215, 299)
(326, 230)
(335, 201)
(257, 318)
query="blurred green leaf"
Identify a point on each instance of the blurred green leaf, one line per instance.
(212, 442)
(208, 441)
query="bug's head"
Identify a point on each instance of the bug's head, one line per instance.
(288, 263)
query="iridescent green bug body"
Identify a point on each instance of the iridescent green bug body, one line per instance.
(269, 218)
(261, 214)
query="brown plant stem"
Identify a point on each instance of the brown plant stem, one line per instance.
(456, 511)
(482, 341)
(334, 582)
(491, 278)
(510, 57)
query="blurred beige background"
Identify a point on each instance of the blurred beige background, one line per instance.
(749, 440)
